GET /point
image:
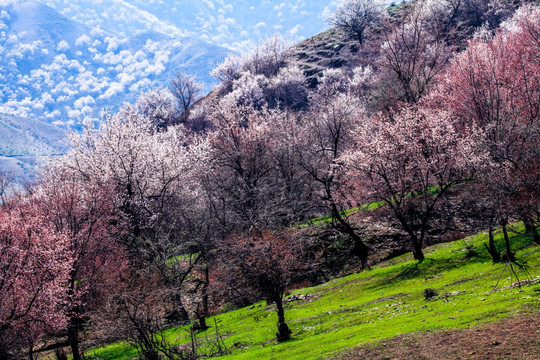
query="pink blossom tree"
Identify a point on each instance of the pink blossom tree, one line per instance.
(409, 160)
(267, 264)
(35, 262)
(84, 213)
(495, 84)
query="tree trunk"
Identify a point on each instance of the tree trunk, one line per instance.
(509, 254)
(73, 338)
(360, 36)
(202, 323)
(205, 290)
(180, 312)
(531, 229)
(204, 314)
(418, 254)
(201, 316)
(536, 236)
(31, 353)
(4, 354)
(146, 343)
(417, 244)
(150, 354)
(360, 249)
(491, 248)
(284, 333)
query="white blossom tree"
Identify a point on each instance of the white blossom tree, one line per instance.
(354, 17)
(409, 160)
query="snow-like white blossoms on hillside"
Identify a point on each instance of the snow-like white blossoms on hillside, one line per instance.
(85, 65)
(62, 46)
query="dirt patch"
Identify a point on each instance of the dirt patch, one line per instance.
(512, 338)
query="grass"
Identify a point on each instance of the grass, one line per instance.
(380, 304)
(328, 218)
(322, 220)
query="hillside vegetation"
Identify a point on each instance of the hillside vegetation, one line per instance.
(384, 302)
(400, 129)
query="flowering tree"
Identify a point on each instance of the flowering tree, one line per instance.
(494, 84)
(158, 106)
(288, 89)
(413, 54)
(267, 264)
(84, 212)
(152, 174)
(255, 183)
(409, 160)
(268, 57)
(248, 90)
(147, 169)
(325, 134)
(445, 14)
(355, 16)
(187, 92)
(35, 262)
(137, 311)
(228, 71)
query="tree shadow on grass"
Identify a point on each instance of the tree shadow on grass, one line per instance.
(431, 267)
(410, 271)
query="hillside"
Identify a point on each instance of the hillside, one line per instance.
(234, 24)
(369, 310)
(24, 142)
(63, 72)
(370, 193)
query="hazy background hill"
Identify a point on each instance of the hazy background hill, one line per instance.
(63, 72)
(25, 142)
(235, 24)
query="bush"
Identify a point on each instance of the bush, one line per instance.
(430, 293)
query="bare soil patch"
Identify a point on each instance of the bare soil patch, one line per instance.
(512, 338)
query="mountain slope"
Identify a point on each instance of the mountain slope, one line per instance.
(63, 72)
(235, 24)
(24, 143)
(21, 136)
(382, 303)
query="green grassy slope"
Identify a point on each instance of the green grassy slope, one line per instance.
(379, 304)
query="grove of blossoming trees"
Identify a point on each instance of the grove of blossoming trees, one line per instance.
(149, 219)
(494, 85)
(35, 262)
(409, 160)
